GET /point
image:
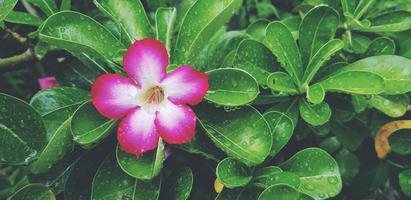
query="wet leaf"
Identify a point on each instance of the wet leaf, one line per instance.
(233, 173)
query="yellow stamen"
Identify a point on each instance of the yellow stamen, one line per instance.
(154, 95)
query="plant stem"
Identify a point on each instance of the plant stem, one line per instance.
(12, 62)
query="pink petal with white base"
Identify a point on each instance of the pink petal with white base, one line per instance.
(186, 85)
(176, 123)
(146, 61)
(137, 133)
(114, 95)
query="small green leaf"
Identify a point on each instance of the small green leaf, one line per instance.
(393, 21)
(349, 6)
(233, 173)
(362, 7)
(282, 192)
(49, 7)
(23, 18)
(231, 87)
(179, 184)
(293, 24)
(199, 25)
(6, 7)
(318, 172)
(315, 115)
(355, 43)
(315, 94)
(65, 5)
(33, 192)
(18, 152)
(243, 133)
(330, 144)
(282, 119)
(265, 178)
(130, 17)
(281, 42)
(354, 82)
(256, 59)
(400, 142)
(391, 105)
(89, 127)
(146, 167)
(257, 29)
(405, 182)
(380, 46)
(243, 193)
(282, 82)
(349, 165)
(165, 21)
(317, 28)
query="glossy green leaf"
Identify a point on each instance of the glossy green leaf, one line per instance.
(393, 21)
(243, 134)
(49, 7)
(391, 105)
(23, 18)
(315, 115)
(257, 29)
(355, 43)
(381, 46)
(318, 59)
(317, 28)
(315, 94)
(330, 144)
(65, 5)
(318, 172)
(349, 6)
(264, 178)
(405, 182)
(282, 192)
(293, 24)
(16, 153)
(111, 182)
(362, 7)
(395, 71)
(26, 124)
(33, 192)
(281, 42)
(349, 165)
(179, 184)
(89, 127)
(165, 22)
(243, 193)
(6, 7)
(83, 37)
(201, 21)
(281, 82)
(354, 82)
(282, 119)
(256, 59)
(130, 16)
(400, 142)
(146, 167)
(231, 87)
(233, 173)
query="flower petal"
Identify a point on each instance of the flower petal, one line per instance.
(175, 123)
(146, 61)
(186, 85)
(137, 133)
(114, 95)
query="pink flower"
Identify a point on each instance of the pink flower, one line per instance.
(47, 82)
(150, 102)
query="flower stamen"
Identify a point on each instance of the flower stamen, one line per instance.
(154, 95)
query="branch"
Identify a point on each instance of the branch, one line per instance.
(14, 61)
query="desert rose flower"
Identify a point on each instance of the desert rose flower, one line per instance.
(150, 103)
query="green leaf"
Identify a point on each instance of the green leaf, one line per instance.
(233, 173)
(17, 152)
(256, 59)
(400, 142)
(317, 28)
(330, 144)
(394, 70)
(146, 167)
(391, 105)
(257, 29)
(130, 16)
(23, 18)
(281, 42)
(405, 182)
(350, 134)
(315, 94)
(165, 21)
(362, 7)
(381, 46)
(199, 25)
(22, 120)
(243, 193)
(320, 57)
(315, 115)
(293, 24)
(282, 192)
(231, 87)
(110, 182)
(349, 6)
(179, 184)
(265, 178)
(83, 37)
(393, 21)
(355, 43)
(89, 127)
(49, 7)
(33, 192)
(282, 119)
(282, 82)
(65, 5)
(349, 165)
(243, 134)
(5, 8)
(318, 172)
